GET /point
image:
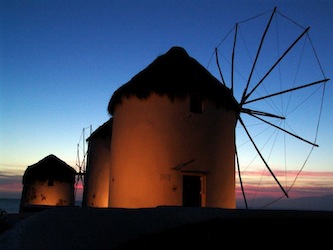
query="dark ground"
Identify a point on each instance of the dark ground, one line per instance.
(168, 228)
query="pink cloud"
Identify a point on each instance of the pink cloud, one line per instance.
(256, 184)
(11, 186)
(305, 183)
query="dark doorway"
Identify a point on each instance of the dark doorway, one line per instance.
(191, 191)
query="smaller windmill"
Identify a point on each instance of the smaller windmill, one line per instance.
(81, 158)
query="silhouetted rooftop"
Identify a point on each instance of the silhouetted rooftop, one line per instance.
(105, 130)
(175, 74)
(49, 167)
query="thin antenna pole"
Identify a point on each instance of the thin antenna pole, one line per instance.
(83, 146)
(78, 156)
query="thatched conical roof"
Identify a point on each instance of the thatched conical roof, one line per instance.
(175, 74)
(49, 167)
(105, 130)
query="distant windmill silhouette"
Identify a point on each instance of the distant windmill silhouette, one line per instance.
(252, 92)
(81, 157)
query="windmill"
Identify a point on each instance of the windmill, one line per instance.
(270, 95)
(81, 157)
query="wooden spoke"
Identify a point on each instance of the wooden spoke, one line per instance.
(233, 59)
(288, 90)
(240, 178)
(257, 55)
(218, 66)
(286, 131)
(257, 112)
(274, 65)
(262, 158)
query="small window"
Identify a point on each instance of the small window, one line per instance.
(195, 103)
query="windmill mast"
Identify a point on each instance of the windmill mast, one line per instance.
(81, 157)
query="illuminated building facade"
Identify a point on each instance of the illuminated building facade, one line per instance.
(49, 182)
(173, 137)
(96, 189)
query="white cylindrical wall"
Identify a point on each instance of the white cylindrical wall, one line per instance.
(96, 191)
(152, 137)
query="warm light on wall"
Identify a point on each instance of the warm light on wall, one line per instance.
(41, 193)
(152, 136)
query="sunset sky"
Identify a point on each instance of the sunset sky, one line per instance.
(60, 62)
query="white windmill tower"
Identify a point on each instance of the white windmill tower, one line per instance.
(177, 133)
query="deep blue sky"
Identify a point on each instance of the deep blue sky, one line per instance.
(62, 60)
